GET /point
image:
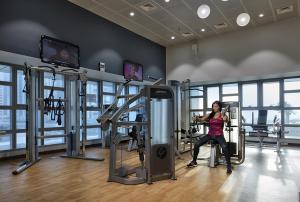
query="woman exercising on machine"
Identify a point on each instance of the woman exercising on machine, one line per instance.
(216, 122)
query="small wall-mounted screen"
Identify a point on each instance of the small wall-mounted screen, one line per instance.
(57, 52)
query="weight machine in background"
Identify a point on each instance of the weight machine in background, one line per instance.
(71, 107)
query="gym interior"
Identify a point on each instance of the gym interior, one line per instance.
(150, 100)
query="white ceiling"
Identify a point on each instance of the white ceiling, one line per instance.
(180, 16)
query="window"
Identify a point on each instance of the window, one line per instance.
(5, 142)
(21, 140)
(121, 102)
(48, 123)
(108, 87)
(92, 94)
(271, 94)
(5, 73)
(21, 96)
(230, 89)
(249, 95)
(132, 115)
(91, 117)
(196, 91)
(5, 95)
(196, 103)
(247, 114)
(108, 99)
(294, 132)
(21, 119)
(292, 84)
(292, 99)
(230, 98)
(48, 80)
(93, 133)
(123, 90)
(5, 119)
(56, 140)
(56, 93)
(292, 117)
(272, 114)
(212, 95)
(133, 90)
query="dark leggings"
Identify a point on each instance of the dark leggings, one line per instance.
(220, 139)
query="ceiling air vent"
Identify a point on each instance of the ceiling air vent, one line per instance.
(187, 34)
(222, 25)
(148, 6)
(285, 10)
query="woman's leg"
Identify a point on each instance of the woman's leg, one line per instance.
(221, 140)
(199, 143)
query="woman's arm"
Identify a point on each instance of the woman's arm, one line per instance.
(225, 118)
(201, 118)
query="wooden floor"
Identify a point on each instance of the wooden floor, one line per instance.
(263, 177)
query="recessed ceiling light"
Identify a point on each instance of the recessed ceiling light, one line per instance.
(261, 15)
(172, 37)
(224, 0)
(243, 19)
(203, 11)
(131, 14)
(167, 1)
(203, 30)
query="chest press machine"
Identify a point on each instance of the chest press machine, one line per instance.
(154, 135)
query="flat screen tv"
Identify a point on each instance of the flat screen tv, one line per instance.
(132, 71)
(57, 52)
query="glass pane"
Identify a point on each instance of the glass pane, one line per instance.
(48, 80)
(21, 140)
(121, 102)
(292, 84)
(93, 133)
(5, 95)
(292, 116)
(123, 91)
(212, 95)
(230, 98)
(92, 94)
(56, 93)
(108, 99)
(250, 95)
(272, 114)
(5, 73)
(292, 99)
(21, 119)
(294, 132)
(48, 123)
(248, 129)
(59, 140)
(133, 90)
(230, 88)
(247, 114)
(196, 103)
(271, 94)
(5, 119)
(196, 91)
(132, 115)
(91, 117)
(21, 96)
(122, 131)
(108, 87)
(5, 142)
